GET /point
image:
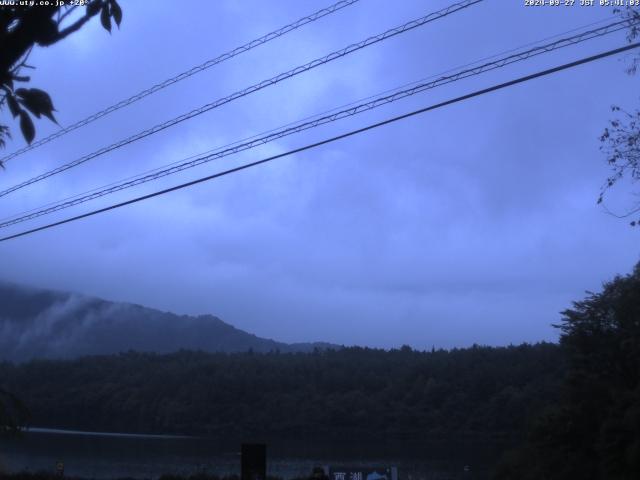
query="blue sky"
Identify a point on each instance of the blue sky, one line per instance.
(476, 223)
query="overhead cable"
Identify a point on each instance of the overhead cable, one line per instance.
(186, 74)
(249, 90)
(296, 128)
(331, 140)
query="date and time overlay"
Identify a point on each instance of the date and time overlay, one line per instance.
(581, 3)
(527, 3)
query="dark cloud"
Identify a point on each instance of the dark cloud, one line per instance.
(474, 223)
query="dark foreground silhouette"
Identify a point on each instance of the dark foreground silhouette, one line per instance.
(481, 392)
(561, 411)
(51, 476)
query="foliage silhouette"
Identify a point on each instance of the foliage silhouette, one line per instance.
(620, 140)
(480, 392)
(593, 433)
(22, 27)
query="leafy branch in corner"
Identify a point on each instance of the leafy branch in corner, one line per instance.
(621, 144)
(621, 139)
(21, 29)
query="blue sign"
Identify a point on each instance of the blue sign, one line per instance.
(363, 473)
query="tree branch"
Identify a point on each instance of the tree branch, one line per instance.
(77, 25)
(65, 14)
(74, 27)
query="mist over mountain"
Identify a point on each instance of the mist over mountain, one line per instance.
(36, 323)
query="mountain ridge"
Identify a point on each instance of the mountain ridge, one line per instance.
(37, 323)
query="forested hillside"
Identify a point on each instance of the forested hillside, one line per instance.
(37, 323)
(480, 391)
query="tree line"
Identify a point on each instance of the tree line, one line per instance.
(479, 391)
(562, 411)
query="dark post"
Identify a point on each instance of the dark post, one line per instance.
(254, 461)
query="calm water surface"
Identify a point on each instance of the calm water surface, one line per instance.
(98, 455)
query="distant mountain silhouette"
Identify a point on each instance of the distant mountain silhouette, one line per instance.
(36, 323)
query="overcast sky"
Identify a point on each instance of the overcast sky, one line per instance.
(475, 223)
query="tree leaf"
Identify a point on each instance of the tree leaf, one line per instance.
(93, 7)
(4, 132)
(44, 102)
(26, 125)
(14, 108)
(50, 116)
(116, 12)
(30, 107)
(37, 102)
(104, 17)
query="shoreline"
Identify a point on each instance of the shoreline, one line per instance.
(61, 431)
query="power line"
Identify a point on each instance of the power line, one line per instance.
(257, 140)
(277, 134)
(597, 22)
(333, 139)
(254, 88)
(186, 74)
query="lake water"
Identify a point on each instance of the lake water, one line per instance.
(101, 456)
